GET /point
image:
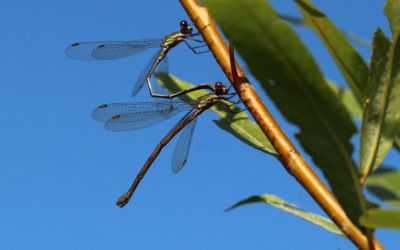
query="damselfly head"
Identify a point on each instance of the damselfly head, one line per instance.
(220, 89)
(185, 27)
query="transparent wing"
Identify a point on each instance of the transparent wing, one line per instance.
(162, 67)
(109, 50)
(182, 147)
(131, 116)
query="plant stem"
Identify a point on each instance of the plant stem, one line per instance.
(288, 155)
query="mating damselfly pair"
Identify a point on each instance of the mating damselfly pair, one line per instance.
(131, 116)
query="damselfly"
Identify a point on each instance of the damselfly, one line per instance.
(130, 116)
(108, 50)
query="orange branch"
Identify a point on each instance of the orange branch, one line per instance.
(288, 155)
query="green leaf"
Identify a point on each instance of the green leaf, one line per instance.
(343, 53)
(351, 37)
(350, 103)
(291, 208)
(346, 97)
(290, 76)
(235, 122)
(246, 131)
(381, 218)
(385, 185)
(349, 61)
(381, 116)
(392, 11)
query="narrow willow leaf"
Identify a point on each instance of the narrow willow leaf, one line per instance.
(392, 11)
(349, 61)
(291, 208)
(238, 122)
(381, 117)
(385, 185)
(376, 100)
(350, 102)
(290, 76)
(381, 218)
(246, 131)
(349, 35)
(326, 30)
(357, 40)
(346, 97)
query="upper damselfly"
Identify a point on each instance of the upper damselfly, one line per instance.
(109, 50)
(130, 116)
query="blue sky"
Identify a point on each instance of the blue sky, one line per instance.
(61, 171)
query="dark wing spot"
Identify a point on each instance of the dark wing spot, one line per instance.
(101, 46)
(75, 44)
(103, 106)
(115, 117)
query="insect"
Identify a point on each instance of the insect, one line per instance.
(130, 116)
(109, 50)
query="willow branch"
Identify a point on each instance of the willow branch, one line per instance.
(288, 154)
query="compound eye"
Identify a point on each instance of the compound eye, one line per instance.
(183, 24)
(219, 85)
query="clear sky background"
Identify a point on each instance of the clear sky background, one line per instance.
(61, 171)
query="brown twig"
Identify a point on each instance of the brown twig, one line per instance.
(288, 155)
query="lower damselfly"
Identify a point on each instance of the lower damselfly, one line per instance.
(130, 116)
(109, 50)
